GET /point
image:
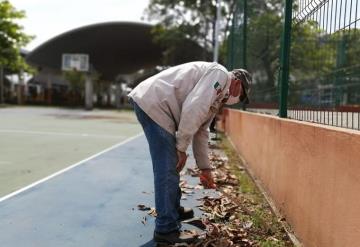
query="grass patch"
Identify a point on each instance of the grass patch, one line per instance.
(264, 227)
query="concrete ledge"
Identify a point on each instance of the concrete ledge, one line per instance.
(311, 171)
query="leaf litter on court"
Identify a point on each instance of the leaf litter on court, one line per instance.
(237, 215)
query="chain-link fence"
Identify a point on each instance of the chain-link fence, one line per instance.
(324, 69)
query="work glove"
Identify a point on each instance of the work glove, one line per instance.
(182, 157)
(207, 179)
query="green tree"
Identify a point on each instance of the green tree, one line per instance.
(264, 29)
(178, 48)
(346, 43)
(186, 28)
(12, 37)
(264, 26)
(311, 52)
(76, 80)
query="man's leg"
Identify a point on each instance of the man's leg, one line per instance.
(162, 146)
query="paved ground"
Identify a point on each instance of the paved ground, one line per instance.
(92, 204)
(38, 141)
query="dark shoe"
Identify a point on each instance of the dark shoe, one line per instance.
(174, 237)
(185, 213)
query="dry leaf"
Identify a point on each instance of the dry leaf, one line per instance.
(142, 207)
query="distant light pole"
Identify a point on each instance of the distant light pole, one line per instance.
(217, 30)
(2, 75)
(1, 84)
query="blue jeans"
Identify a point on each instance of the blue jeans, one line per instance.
(164, 158)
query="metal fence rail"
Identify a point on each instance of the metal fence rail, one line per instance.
(349, 120)
(332, 84)
(324, 64)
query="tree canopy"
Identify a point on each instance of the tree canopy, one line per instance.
(184, 25)
(12, 37)
(315, 53)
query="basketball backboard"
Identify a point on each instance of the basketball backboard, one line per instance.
(78, 62)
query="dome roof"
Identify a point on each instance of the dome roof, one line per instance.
(113, 48)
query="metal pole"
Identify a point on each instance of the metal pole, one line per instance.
(285, 59)
(20, 89)
(88, 93)
(1, 84)
(244, 52)
(340, 63)
(244, 46)
(232, 40)
(217, 30)
(49, 89)
(118, 92)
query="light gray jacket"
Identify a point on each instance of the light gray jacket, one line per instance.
(183, 100)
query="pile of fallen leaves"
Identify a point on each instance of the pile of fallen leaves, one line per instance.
(228, 216)
(222, 226)
(230, 219)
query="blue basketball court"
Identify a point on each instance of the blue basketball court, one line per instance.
(92, 203)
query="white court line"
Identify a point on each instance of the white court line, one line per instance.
(55, 133)
(68, 168)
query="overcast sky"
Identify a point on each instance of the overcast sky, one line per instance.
(48, 18)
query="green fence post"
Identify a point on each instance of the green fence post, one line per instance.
(340, 64)
(285, 59)
(244, 50)
(232, 50)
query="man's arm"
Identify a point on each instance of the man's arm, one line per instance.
(201, 152)
(200, 147)
(196, 107)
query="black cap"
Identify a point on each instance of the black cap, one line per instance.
(246, 80)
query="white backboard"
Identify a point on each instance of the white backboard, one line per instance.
(78, 62)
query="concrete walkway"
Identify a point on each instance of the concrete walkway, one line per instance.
(92, 204)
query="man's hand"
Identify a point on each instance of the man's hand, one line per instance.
(207, 179)
(182, 157)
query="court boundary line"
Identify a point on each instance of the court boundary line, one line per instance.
(11, 131)
(12, 194)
